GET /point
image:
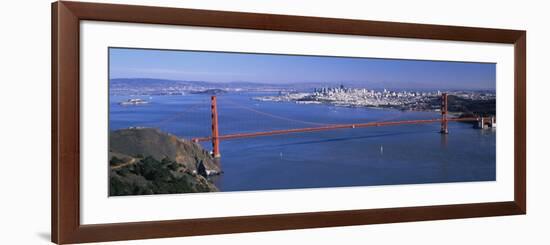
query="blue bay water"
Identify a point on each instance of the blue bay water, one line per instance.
(406, 154)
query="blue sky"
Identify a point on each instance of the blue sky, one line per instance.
(278, 69)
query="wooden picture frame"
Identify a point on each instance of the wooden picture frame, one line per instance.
(65, 175)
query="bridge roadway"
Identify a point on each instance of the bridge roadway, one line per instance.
(332, 127)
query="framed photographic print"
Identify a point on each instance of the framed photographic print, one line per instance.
(176, 122)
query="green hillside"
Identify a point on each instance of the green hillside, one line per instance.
(146, 161)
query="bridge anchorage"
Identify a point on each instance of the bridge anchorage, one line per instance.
(215, 138)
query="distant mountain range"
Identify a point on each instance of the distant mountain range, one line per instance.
(153, 82)
(146, 82)
(153, 86)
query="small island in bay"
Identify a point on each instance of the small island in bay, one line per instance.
(145, 161)
(134, 102)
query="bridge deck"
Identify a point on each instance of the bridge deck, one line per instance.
(332, 127)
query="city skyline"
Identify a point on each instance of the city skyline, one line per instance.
(283, 69)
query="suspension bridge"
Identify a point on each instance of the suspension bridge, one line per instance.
(444, 120)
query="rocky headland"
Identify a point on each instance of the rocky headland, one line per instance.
(148, 161)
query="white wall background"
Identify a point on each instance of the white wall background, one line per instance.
(25, 119)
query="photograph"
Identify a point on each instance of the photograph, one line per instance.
(193, 121)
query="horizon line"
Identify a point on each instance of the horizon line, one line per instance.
(311, 82)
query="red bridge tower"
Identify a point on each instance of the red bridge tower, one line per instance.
(215, 132)
(444, 122)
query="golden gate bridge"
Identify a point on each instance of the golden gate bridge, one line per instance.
(216, 137)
